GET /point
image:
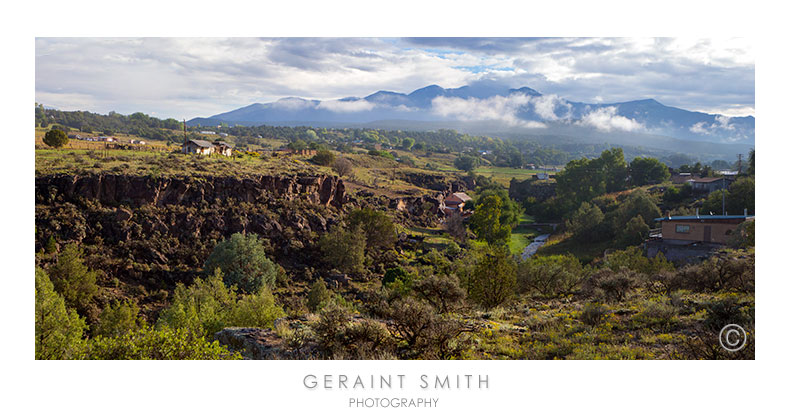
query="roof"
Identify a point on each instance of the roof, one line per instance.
(706, 179)
(704, 217)
(461, 195)
(223, 143)
(201, 143)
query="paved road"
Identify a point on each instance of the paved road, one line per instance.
(534, 246)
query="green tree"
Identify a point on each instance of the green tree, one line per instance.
(744, 236)
(297, 145)
(647, 171)
(584, 224)
(634, 232)
(632, 258)
(59, 331)
(615, 169)
(72, 279)
(637, 203)
(511, 211)
(344, 249)
(466, 163)
(117, 319)
(493, 280)
(408, 143)
(318, 296)
(324, 158)
(378, 228)
(51, 246)
(56, 138)
(244, 263)
(485, 221)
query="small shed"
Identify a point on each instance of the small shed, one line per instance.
(197, 147)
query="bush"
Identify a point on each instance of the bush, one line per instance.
(609, 285)
(56, 138)
(244, 263)
(117, 319)
(72, 279)
(550, 275)
(208, 306)
(443, 292)
(59, 331)
(343, 166)
(632, 258)
(423, 332)
(324, 158)
(378, 228)
(657, 314)
(163, 343)
(318, 296)
(341, 338)
(593, 313)
(493, 280)
(344, 249)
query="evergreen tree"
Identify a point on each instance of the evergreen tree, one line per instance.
(59, 331)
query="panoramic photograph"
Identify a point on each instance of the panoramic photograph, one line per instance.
(394, 199)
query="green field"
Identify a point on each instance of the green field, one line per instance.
(504, 175)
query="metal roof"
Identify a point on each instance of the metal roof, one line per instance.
(202, 143)
(704, 217)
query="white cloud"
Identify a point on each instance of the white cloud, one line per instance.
(346, 105)
(723, 123)
(605, 119)
(293, 103)
(496, 108)
(546, 105)
(700, 128)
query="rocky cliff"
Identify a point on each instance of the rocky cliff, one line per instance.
(110, 189)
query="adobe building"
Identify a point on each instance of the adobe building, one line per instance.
(455, 202)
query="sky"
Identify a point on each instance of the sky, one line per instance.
(191, 77)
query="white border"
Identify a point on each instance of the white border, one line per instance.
(518, 388)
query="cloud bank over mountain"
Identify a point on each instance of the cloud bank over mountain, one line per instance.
(488, 101)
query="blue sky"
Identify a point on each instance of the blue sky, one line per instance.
(189, 77)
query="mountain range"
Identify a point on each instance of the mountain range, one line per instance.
(485, 107)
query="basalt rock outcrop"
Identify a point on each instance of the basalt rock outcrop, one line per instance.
(111, 189)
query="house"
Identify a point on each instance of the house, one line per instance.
(691, 236)
(197, 147)
(222, 147)
(455, 202)
(681, 177)
(208, 132)
(107, 139)
(709, 184)
(541, 176)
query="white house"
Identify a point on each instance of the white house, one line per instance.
(197, 147)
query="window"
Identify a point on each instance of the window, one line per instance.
(683, 228)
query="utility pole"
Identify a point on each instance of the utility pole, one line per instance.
(723, 195)
(739, 163)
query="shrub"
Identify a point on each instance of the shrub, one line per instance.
(344, 249)
(609, 285)
(657, 314)
(324, 158)
(318, 296)
(632, 258)
(593, 313)
(59, 330)
(162, 343)
(443, 292)
(72, 279)
(117, 319)
(493, 280)
(343, 166)
(244, 263)
(423, 332)
(56, 138)
(208, 306)
(550, 275)
(378, 228)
